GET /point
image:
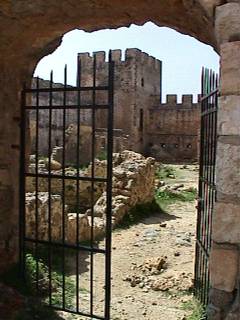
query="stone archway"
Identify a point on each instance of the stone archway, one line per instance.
(33, 29)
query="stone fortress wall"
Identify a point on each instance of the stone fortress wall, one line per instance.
(174, 129)
(168, 131)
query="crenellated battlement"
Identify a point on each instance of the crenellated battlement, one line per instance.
(186, 101)
(118, 56)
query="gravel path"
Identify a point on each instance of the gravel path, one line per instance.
(152, 263)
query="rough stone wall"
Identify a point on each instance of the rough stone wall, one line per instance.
(121, 142)
(9, 161)
(225, 254)
(173, 130)
(57, 116)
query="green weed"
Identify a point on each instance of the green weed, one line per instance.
(102, 155)
(28, 286)
(167, 197)
(57, 280)
(196, 309)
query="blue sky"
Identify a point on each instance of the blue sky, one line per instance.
(182, 56)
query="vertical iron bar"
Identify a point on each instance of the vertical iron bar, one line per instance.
(36, 181)
(49, 190)
(109, 188)
(63, 186)
(205, 167)
(197, 224)
(207, 187)
(204, 108)
(211, 168)
(22, 249)
(201, 190)
(92, 182)
(78, 174)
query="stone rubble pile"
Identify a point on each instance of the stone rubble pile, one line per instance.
(151, 276)
(133, 183)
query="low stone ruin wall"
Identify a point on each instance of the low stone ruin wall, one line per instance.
(70, 190)
(133, 183)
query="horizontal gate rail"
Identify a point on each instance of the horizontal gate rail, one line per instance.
(207, 183)
(65, 245)
(61, 249)
(69, 107)
(66, 89)
(66, 177)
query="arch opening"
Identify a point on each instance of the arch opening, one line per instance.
(163, 145)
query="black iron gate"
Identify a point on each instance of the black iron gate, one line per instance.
(207, 190)
(58, 196)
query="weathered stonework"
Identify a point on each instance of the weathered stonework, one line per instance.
(173, 130)
(133, 183)
(228, 163)
(70, 185)
(32, 29)
(229, 115)
(227, 24)
(224, 268)
(43, 216)
(224, 257)
(230, 68)
(226, 221)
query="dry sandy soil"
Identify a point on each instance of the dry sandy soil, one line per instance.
(152, 263)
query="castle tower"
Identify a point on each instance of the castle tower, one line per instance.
(137, 79)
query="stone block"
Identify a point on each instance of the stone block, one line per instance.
(226, 222)
(213, 312)
(219, 298)
(209, 5)
(224, 268)
(227, 167)
(229, 115)
(227, 22)
(5, 179)
(230, 68)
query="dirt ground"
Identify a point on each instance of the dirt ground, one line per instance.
(152, 263)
